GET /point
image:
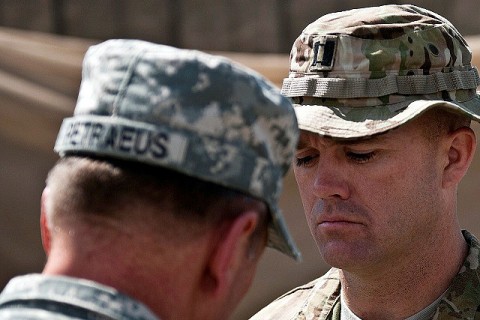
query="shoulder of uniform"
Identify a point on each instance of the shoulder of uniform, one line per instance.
(288, 305)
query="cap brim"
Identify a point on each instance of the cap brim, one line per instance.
(278, 236)
(358, 122)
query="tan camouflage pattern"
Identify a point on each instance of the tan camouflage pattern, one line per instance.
(374, 42)
(320, 299)
(202, 115)
(383, 57)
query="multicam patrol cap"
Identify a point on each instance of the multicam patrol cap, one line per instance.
(189, 111)
(364, 71)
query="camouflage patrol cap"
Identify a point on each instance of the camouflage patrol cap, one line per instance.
(364, 71)
(199, 114)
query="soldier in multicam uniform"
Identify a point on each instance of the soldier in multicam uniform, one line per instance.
(384, 97)
(166, 192)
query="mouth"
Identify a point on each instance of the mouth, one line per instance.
(339, 226)
(338, 214)
(337, 220)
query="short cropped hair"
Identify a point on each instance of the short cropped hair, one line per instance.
(85, 186)
(440, 121)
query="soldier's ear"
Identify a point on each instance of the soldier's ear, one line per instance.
(44, 226)
(232, 254)
(460, 146)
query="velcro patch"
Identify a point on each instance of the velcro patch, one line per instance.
(324, 49)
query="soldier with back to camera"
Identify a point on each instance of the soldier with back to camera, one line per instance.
(166, 192)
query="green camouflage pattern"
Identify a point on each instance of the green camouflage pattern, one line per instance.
(371, 61)
(320, 299)
(46, 297)
(202, 115)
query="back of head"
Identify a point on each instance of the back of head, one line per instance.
(365, 71)
(103, 194)
(194, 115)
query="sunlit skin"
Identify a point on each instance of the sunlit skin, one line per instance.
(376, 207)
(368, 201)
(205, 279)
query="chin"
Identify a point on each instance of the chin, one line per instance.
(343, 256)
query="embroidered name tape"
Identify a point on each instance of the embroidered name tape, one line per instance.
(121, 138)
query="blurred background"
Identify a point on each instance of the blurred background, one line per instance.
(42, 43)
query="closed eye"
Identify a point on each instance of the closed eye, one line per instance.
(360, 157)
(304, 161)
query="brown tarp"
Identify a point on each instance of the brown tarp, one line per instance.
(39, 80)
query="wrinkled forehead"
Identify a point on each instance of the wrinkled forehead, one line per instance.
(309, 138)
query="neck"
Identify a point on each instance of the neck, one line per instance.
(141, 269)
(386, 293)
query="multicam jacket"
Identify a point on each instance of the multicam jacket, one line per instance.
(40, 297)
(320, 299)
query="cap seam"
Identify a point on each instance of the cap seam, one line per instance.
(122, 89)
